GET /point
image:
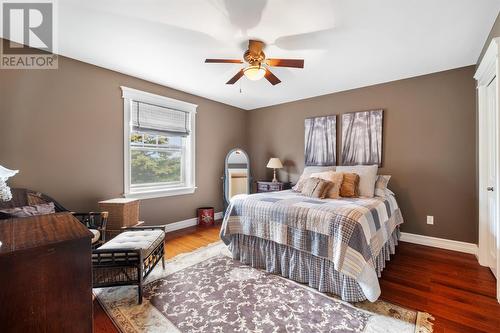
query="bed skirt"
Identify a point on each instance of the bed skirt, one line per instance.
(303, 267)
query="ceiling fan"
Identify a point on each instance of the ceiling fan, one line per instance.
(258, 64)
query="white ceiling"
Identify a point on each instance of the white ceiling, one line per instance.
(345, 43)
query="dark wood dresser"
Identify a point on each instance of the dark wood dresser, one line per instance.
(263, 186)
(45, 275)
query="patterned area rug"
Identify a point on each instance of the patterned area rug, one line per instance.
(207, 291)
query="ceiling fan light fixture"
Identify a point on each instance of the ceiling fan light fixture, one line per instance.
(254, 73)
(258, 65)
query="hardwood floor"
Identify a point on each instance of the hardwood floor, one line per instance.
(190, 239)
(451, 286)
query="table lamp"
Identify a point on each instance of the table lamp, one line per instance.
(5, 194)
(274, 163)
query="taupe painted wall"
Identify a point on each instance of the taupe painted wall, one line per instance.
(428, 145)
(495, 32)
(64, 130)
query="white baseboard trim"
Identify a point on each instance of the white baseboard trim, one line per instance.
(441, 243)
(188, 223)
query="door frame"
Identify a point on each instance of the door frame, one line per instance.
(487, 71)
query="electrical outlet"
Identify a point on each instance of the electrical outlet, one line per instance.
(430, 219)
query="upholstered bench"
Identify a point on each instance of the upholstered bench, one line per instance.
(128, 258)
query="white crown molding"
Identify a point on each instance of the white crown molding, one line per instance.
(486, 70)
(441, 243)
(188, 223)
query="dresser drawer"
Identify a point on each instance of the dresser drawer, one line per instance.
(269, 186)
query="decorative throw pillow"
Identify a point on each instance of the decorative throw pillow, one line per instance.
(349, 187)
(336, 178)
(367, 177)
(381, 185)
(315, 187)
(308, 170)
(26, 211)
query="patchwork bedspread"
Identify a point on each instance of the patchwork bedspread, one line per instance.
(348, 231)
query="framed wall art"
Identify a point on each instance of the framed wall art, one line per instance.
(362, 137)
(320, 140)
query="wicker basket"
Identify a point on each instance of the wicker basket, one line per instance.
(122, 213)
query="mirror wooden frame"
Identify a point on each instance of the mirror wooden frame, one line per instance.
(225, 185)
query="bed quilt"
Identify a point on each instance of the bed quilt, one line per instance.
(348, 231)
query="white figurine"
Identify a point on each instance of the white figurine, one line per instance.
(5, 194)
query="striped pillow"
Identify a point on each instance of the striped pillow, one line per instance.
(336, 178)
(316, 187)
(308, 170)
(381, 185)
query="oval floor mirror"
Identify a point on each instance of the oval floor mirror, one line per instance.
(237, 179)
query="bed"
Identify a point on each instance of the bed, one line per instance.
(337, 246)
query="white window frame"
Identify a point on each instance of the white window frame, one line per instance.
(131, 95)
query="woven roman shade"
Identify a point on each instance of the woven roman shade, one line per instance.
(154, 119)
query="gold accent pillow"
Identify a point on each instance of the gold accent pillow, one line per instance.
(350, 186)
(336, 178)
(315, 187)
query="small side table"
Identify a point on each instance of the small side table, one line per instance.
(263, 186)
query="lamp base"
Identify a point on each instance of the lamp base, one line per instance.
(275, 180)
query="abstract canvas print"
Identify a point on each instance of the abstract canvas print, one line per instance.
(320, 140)
(362, 137)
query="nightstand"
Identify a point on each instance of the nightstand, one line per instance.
(263, 186)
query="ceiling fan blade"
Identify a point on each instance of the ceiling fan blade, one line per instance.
(314, 40)
(273, 79)
(223, 61)
(255, 46)
(295, 63)
(236, 77)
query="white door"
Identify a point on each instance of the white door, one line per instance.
(492, 188)
(487, 75)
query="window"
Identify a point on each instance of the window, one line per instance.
(159, 145)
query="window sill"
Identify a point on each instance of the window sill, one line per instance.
(160, 193)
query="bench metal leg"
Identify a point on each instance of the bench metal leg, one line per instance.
(140, 293)
(139, 274)
(163, 261)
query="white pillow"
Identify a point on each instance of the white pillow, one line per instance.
(367, 177)
(308, 170)
(314, 169)
(335, 177)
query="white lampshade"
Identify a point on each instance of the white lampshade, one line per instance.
(274, 163)
(254, 73)
(6, 173)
